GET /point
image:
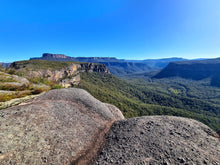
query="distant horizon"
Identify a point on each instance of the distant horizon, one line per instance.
(7, 61)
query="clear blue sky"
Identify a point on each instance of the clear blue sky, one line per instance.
(130, 29)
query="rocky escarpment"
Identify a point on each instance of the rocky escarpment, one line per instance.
(65, 73)
(195, 70)
(160, 140)
(64, 126)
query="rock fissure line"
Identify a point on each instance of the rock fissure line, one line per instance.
(88, 156)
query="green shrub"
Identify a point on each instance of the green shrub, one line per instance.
(12, 71)
(56, 86)
(6, 79)
(37, 91)
(2, 69)
(5, 97)
(13, 87)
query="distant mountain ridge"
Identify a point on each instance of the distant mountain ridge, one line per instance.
(62, 57)
(124, 68)
(194, 69)
(157, 63)
(4, 65)
(115, 65)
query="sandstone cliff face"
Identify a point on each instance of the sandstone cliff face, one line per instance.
(67, 74)
(64, 126)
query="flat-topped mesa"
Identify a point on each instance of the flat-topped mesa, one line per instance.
(63, 57)
(45, 55)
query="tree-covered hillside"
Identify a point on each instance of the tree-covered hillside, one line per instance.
(135, 100)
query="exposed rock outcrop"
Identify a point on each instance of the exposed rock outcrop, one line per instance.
(11, 85)
(160, 140)
(69, 126)
(66, 76)
(64, 126)
(16, 101)
(65, 73)
(13, 79)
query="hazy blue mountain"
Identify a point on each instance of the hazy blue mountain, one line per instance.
(193, 69)
(157, 63)
(124, 68)
(5, 65)
(119, 67)
(62, 57)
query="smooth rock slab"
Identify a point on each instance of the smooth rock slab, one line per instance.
(156, 140)
(56, 128)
